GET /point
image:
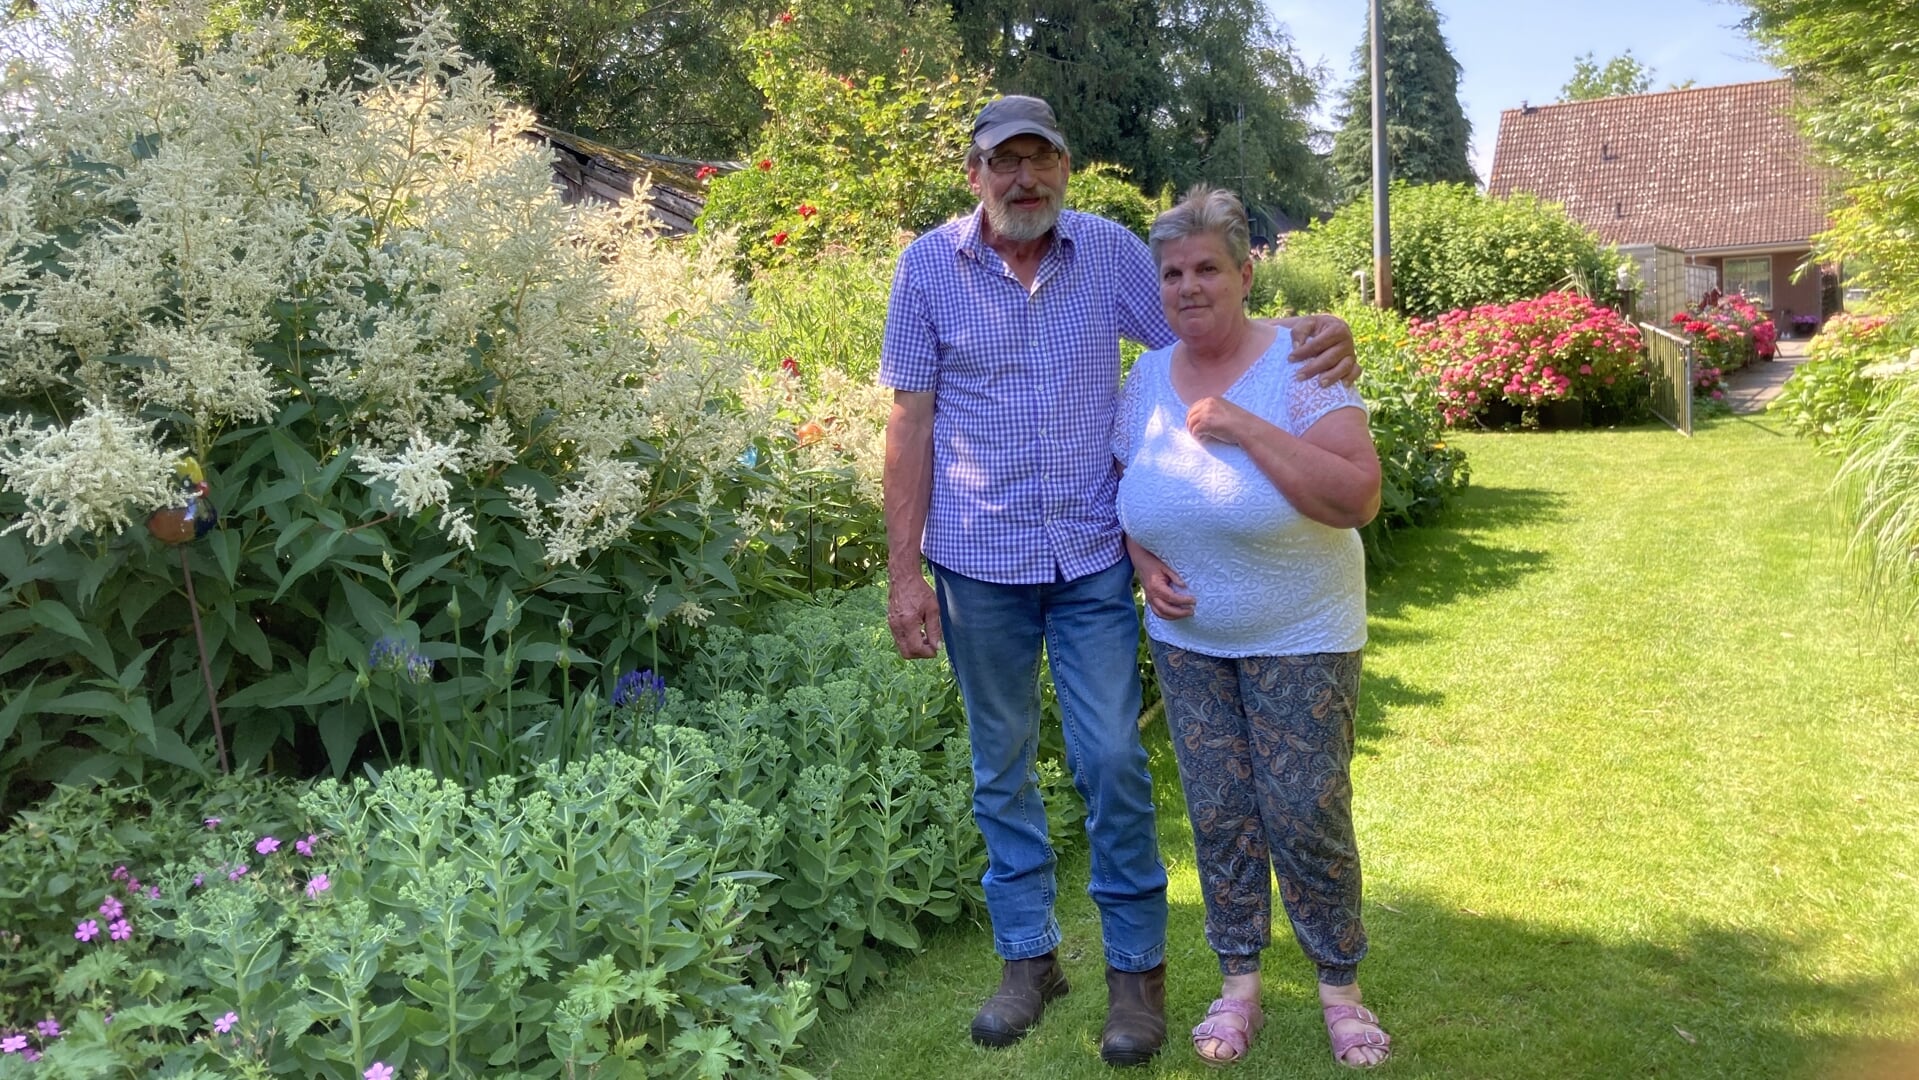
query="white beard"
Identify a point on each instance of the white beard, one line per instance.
(1023, 225)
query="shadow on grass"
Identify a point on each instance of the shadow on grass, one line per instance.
(1477, 996)
(1433, 566)
(1379, 695)
(1464, 996)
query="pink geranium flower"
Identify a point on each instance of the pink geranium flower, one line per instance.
(87, 930)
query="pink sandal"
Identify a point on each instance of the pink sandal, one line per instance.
(1236, 1039)
(1354, 1039)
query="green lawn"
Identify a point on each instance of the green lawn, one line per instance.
(1638, 795)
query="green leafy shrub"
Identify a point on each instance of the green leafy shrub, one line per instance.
(1285, 283)
(1099, 188)
(844, 162)
(1453, 248)
(432, 404)
(1419, 473)
(675, 905)
(817, 327)
(1833, 391)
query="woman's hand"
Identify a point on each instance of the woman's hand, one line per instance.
(1220, 420)
(1165, 590)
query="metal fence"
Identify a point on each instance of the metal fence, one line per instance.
(1669, 358)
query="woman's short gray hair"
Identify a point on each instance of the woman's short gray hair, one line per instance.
(1205, 211)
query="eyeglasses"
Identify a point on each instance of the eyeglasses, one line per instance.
(1042, 161)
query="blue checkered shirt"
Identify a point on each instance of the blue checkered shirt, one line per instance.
(1024, 387)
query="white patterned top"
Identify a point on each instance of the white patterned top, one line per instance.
(1266, 579)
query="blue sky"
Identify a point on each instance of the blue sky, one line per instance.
(1523, 50)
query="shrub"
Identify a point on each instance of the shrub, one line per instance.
(1285, 283)
(1419, 473)
(844, 162)
(1455, 248)
(673, 906)
(1099, 188)
(1833, 391)
(1558, 347)
(817, 328)
(1726, 333)
(431, 404)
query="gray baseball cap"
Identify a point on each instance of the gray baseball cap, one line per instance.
(1008, 117)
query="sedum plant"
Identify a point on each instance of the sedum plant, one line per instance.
(758, 842)
(424, 393)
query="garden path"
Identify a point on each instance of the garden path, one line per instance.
(1751, 389)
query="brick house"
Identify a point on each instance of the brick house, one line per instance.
(1719, 172)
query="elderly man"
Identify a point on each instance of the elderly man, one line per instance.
(1002, 348)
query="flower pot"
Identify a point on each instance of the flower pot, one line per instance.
(1563, 415)
(1499, 414)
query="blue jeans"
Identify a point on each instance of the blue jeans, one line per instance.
(1090, 632)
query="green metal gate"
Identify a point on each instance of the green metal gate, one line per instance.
(1669, 358)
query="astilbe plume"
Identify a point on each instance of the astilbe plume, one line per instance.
(461, 317)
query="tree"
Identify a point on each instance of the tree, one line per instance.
(665, 76)
(1171, 90)
(1427, 134)
(1623, 74)
(1098, 62)
(1859, 93)
(1237, 116)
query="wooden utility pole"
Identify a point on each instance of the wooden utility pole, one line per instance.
(1382, 239)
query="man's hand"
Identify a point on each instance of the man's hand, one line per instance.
(913, 615)
(1323, 346)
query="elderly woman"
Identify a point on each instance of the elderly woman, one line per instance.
(1242, 493)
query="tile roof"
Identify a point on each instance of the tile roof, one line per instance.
(1698, 169)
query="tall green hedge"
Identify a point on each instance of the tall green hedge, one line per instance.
(1453, 247)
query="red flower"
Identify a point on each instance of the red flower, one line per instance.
(786, 17)
(779, 238)
(766, 164)
(706, 172)
(807, 210)
(790, 366)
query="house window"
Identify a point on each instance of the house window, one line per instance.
(1751, 276)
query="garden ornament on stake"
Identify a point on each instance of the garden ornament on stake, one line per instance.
(176, 525)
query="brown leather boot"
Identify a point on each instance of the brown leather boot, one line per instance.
(1025, 986)
(1135, 1016)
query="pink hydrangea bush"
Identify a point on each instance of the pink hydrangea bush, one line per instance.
(1727, 333)
(1556, 347)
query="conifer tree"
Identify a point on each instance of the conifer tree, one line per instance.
(1427, 134)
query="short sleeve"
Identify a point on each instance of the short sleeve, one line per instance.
(1141, 314)
(1135, 399)
(909, 349)
(1309, 401)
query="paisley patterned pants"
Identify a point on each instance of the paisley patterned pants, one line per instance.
(1264, 746)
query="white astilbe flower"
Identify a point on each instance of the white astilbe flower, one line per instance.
(215, 381)
(598, 507)
(91, 476)
(394, 255)
(419, 475)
